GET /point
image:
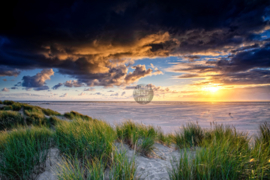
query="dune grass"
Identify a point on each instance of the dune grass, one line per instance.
(16, 106)
(23, 152)
(75, 115)
(6, 108)
(76, 169)
(88, 139)
(8, 102)
(137, 135)
(190, 135)
(122, 167)
(226, 154)
(10, 119)
(119, 168)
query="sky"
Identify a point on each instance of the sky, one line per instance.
(100, 50)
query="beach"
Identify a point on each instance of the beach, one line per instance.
(170, 116)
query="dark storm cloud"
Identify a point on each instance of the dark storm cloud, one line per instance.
(86, 40)
(57, 86)
(7, 71)
(258, 58)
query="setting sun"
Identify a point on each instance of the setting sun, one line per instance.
(212, 89)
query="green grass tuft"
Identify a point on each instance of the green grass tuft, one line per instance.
(73, 168)
(226, 154)
(191, 135)
(8, 102)
(89, 139)
(75, 115)
(8, 107)
(10, 119)
(146, 146)
(24, 150)
(16, 106)
(132, 133)
(50, 112)
(121, 168)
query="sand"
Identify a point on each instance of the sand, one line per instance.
(154, 168)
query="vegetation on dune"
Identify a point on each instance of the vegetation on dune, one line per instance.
(190, 135)
(23, 152)
(120, 168)
(47, 112)
(9, 107)
(50, 112)
(10, 119)
(16, 106)
(33, 116)
(75, 115)
(140, 136)
(226, 154)
(8, 102)
(87, 146)
(89, 139)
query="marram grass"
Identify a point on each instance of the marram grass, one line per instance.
(88, 139)
(226, 155)
(119, 168)
(23, 152)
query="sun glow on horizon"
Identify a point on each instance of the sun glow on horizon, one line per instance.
(212, 89)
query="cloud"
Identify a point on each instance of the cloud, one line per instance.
(64, 95)
(110, 91)
(8, 71)
(139, 72)
(89, 89)
(14, 87)
(73, 83)
(95, 51)
(159, 90)
(57, 86)
(130, 87)
(5, 89)
(37, 81)
(187, 92)
(116, 94)
(82, 94)
(123, 93)
(42, 88)
(247, 67)
(4, 79)
(18, 84)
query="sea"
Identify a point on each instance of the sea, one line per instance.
(170, 116)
